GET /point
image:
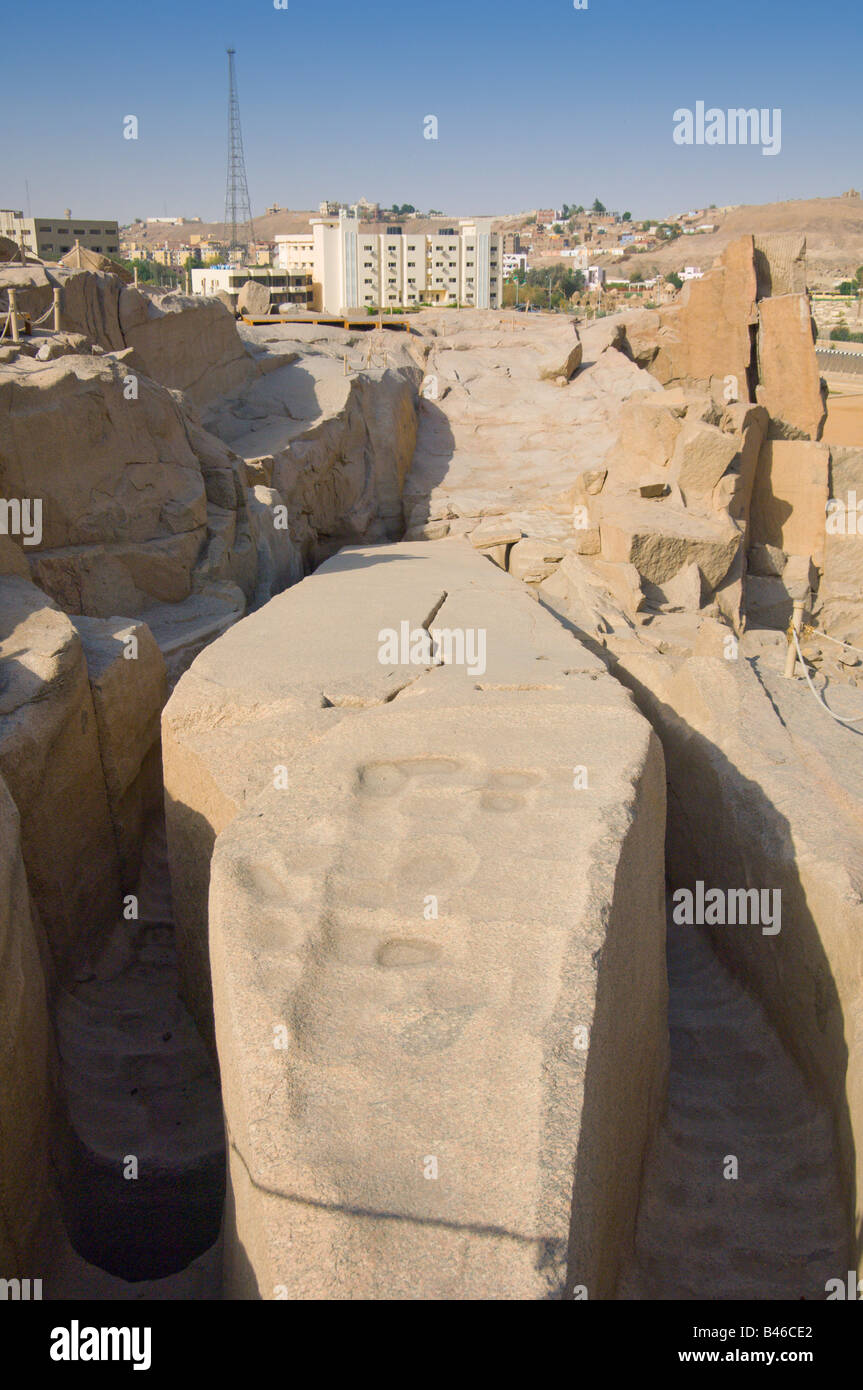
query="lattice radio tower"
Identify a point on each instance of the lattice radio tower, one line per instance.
(238, 210)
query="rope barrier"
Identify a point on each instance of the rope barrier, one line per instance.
(810, 631)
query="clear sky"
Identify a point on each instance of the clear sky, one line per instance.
(537, 103)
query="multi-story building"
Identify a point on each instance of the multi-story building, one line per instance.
(171, 253)
(511, 243)
(284, 287)
(296, 251)
(357, 268)
(49, 238)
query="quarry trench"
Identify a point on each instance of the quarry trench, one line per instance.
(741, 1194)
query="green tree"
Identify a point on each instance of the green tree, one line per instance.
(598, 206)
(859, 275)
(675, 280)
(627, 217)
(848, 287)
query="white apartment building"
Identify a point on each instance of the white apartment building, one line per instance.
(515, 260)
(357, 269)
(692, 272)
(296, 252)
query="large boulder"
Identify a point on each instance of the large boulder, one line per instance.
(89, 304)
(705, 337)
(187, 343)
(789, 499)
(254, 299)
(408, 1116)
(789, 381)
(33, 293)
(841, 588)
(780, 263)
(51, 763)
(569, 356)
(124, 517)
(660, 538)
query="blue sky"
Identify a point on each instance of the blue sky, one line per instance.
(537, 103)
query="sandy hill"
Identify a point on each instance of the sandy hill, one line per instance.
(833, 227)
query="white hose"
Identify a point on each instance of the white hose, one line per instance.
(818, 697)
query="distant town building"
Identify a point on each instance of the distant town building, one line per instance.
(546, 217)
(170, 253)
(580, 256)
(511, 243)
(366, 211)
(692, 272)
(165, 221)
(595, 277)
(513, 261)
(357, 268)
(48, 238)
